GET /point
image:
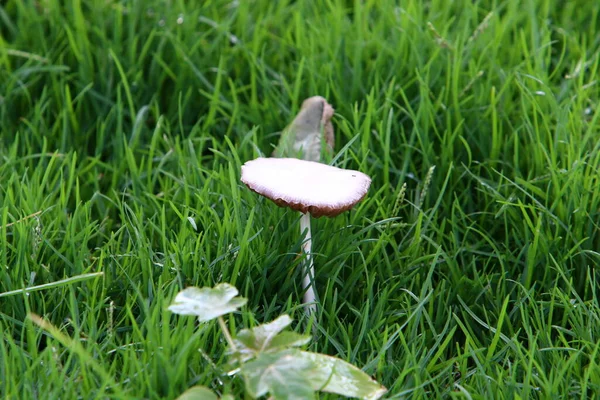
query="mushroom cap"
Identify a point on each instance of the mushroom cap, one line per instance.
(306, 186)
(309, 132)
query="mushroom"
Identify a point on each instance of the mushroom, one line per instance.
(309, 187)
(310, 130)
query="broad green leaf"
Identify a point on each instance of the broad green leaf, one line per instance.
(282, 374)
(309, 132)
(198, 393)
(286, 340)
(267, 338)
(330, 374)
(207, 303)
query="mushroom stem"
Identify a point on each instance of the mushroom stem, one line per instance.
(309, 269)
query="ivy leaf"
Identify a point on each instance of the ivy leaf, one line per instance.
(282, 374)
(268, 338)
(330, 374)
(207, 303)
(309, 132)
(198, 393)
(201, 393)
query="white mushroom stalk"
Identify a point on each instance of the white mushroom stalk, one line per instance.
(309, 187)
(309, 297)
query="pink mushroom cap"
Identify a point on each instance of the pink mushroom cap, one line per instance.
(306, 186)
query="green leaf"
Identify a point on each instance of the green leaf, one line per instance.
(207, 303)
(287, 340)
(268, 338)
(282, 374)
(309, 132)
(330, 374)
(198, 393)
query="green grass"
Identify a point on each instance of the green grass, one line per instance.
(121, 120)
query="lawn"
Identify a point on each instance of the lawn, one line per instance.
(470, 270)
